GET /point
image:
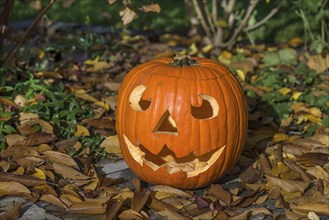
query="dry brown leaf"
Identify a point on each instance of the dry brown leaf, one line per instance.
(139, 200)
(106, 123)
(13, 139)
(170, 191)
(8, 102)
(131, 214)
(178, 203)
(69, 172)
(217, 191)
(38, 138)
(151, 8)
(14, 213)
(288, 185)
(22, 179)
(292, 215)
(250, 175)
(211, 214)
(69, 199)
(86, 207)
(55, 156)
(319, 62)
(111, 145)
(46, 126)
(53, 199)
(241, 216)
(319, 207)
(128, 15)
(13, 189)
(113, 207)
(318, 172)
(313, 159)
(111, 1)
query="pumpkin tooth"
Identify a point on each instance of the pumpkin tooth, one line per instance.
(200, 168)
(135, 152)
(191, 168)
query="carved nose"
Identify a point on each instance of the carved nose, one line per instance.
(166, 125)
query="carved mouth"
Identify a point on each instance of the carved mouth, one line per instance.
(191, 165)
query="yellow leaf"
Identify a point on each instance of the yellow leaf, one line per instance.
(13, 189)
(128, 15)
(296, 41)
(241, 75)
(312, 118)
(103, 105)
(19, 170)
(327, 104)
(92, 62)
(226, 54)
(296, 95)
(222, 23)
(316, 112)
(207, 48)
(39, 174)
(280, 137)
(111, 145)
(193, 49)
(285, 91)
(81, 131)
(82, 94)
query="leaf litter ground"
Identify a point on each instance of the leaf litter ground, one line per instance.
(58, 127)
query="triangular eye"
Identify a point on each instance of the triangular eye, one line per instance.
(135, 99)
(208, 109)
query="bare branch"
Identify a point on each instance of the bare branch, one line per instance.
(243, 23)
(208, 16)
(214, 10)
(4, 19)
(201, 18)
(263, 21)
(36, 20)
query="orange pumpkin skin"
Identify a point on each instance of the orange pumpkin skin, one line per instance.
(194, 151)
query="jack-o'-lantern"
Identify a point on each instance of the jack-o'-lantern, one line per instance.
(181, 122)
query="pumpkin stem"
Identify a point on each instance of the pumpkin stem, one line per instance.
(183, 60)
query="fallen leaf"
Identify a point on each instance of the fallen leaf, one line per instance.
(69, 172)
(127, 15)
(21, 179)
(13, 189)
(53, 199)
(151, 8)
(111, 145)
(288, 185)
(319, 207)
(81, 131)
(139, 200)
(113, 207)
(87, 207)
(131, 214)
(217, 191)
(170, 191)
(59, 157)
(14, 213)
(319, 63)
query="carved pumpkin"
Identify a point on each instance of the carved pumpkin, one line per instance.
(181, 122)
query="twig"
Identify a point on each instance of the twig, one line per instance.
(35, 21)
(263, 21)
(243, 23)
(4, 19)
(201, 18)
(214, 10)
(208, 16)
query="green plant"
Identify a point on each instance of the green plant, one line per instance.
(315, 17)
